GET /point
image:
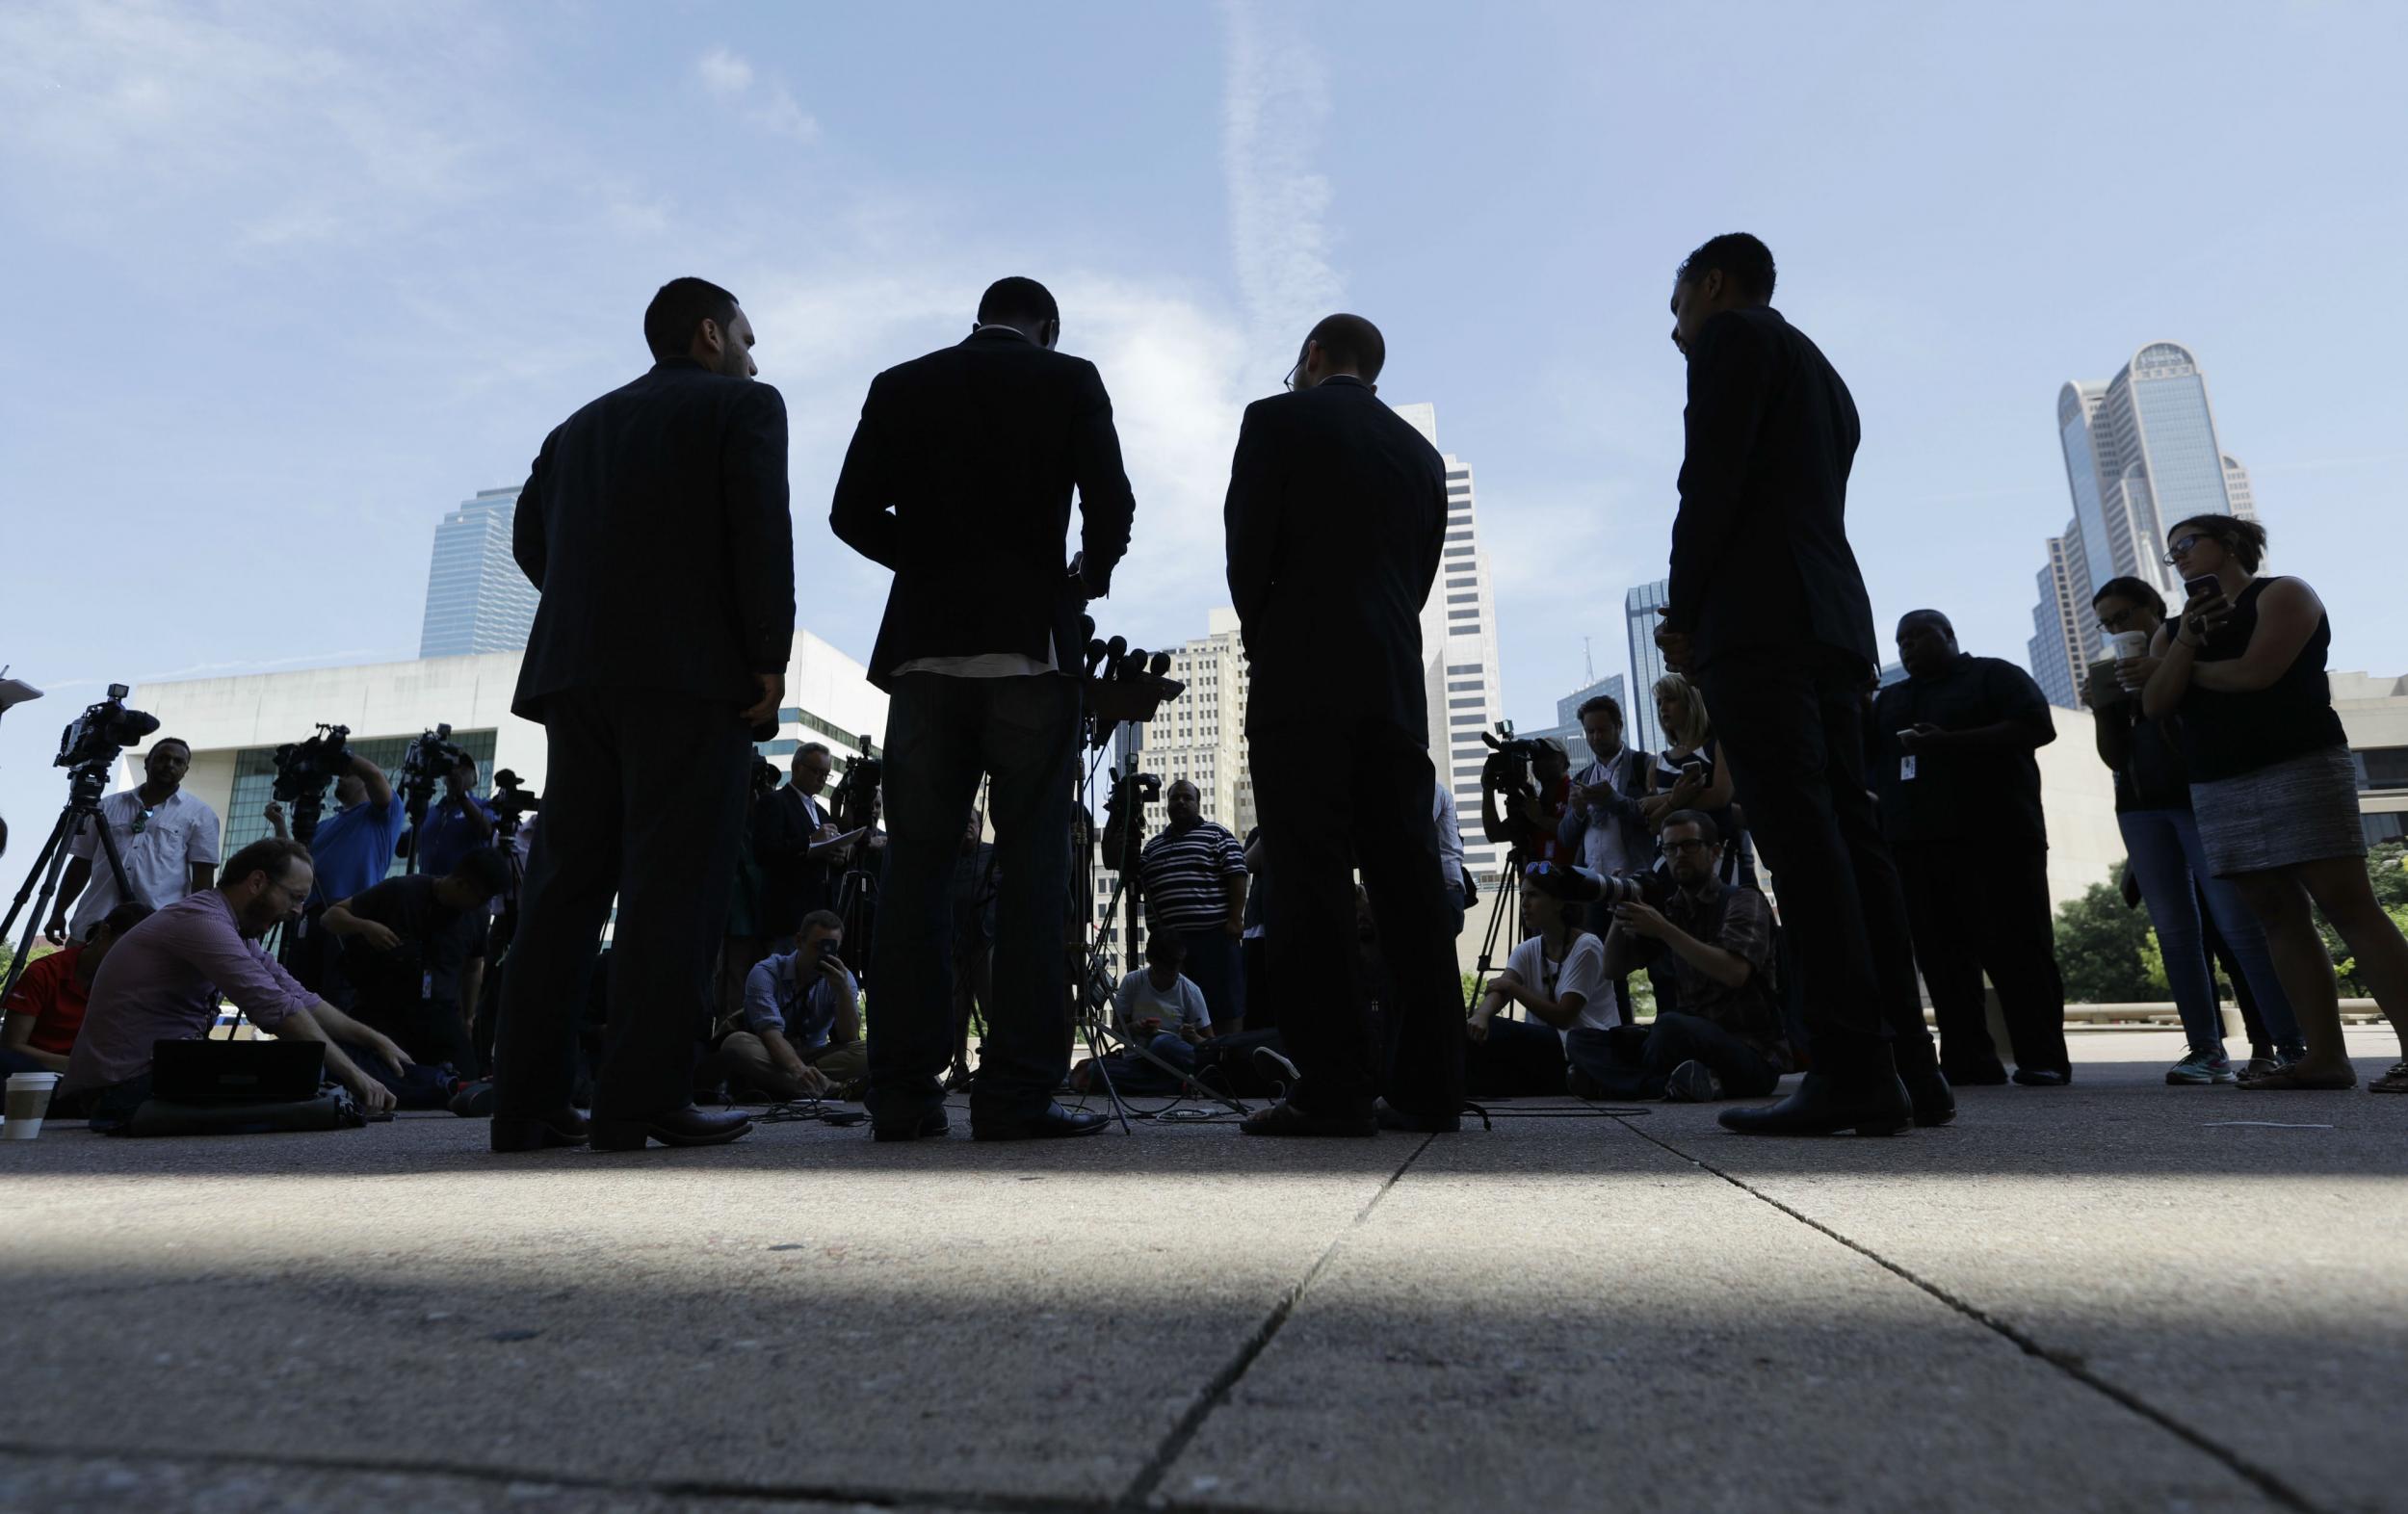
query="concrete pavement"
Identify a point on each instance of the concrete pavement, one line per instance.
(2117, 1296)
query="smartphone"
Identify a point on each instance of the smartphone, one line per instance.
(2204, 583)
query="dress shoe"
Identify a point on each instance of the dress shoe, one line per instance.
(1870, 1103)
(686, 1127)
(2043, 1077)
(1286, 1119)
(536, 1132)
(1934, 1100)
(1054, 1124)
(927, 1127)
(1391, 1118)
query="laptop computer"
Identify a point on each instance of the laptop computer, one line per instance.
(236, 1072)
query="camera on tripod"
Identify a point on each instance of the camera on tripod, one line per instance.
(511, 802)
(853, 805)
(431, 754)
(102, 731)
(304, 769)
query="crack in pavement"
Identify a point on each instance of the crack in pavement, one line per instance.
(2262, 1478)
(1216, 1393)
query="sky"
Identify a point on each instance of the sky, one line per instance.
(294, 280)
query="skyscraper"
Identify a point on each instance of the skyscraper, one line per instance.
(477, 599)
(1567, 726)
(1638, 608)
(1459, 653)
(2141, 452)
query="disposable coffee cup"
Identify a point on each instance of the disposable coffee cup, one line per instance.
(28, 1101)
(2130, 644)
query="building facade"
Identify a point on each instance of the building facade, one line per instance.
(236, 724)
(2141, 452)
(477, 599)
(1639, 611)
(1567, 726)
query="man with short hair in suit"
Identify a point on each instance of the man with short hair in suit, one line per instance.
(655, 527)
(960, 478)
(1336, 515)
(1769, 616)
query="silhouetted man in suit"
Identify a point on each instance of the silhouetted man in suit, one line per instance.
(960, 478)
(655, 526)
(1336, 515)
(1769, 616)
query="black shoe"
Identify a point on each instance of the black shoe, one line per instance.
(539, 1132)
(1286, 1119)
(927, 1126)
(1692, 1083)
(1935, 1102)
(1391, 1118)
(686, 1127)
(1054, 1124)
(2043, 1077)
(1873, 1102)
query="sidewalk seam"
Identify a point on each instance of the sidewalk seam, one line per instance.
(1149, 1478)
(2265, 1481)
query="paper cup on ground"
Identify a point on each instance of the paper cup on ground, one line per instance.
(28, 1101)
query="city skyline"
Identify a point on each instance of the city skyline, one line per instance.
(449, 224)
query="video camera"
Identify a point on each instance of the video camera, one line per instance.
(511, 803)
(304, 769)
(102, 731)
(853, 805)
(431, 754)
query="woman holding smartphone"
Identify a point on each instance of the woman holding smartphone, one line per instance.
(1688, 774)
(2162, 838)
(2272, 784)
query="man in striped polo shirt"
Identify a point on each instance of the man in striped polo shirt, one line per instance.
(1193, 879)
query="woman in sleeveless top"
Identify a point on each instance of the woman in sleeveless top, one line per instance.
(1688, 774)
(2272, 784)
(2169, 866)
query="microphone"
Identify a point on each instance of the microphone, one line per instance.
(1095, 651)
(1115, 650)
(1161, 665)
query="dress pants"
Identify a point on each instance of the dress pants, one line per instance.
(643, 803)
(1215, 966)
(1979, 906)
(941, 734)
(1790, 722)
(1332, 798)
(1255, 958)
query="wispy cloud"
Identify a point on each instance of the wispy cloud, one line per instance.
(1274, 103)
(731, 78)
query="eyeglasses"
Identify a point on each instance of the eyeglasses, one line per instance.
(1289, 383)
(2182, 548)
(1688, 844)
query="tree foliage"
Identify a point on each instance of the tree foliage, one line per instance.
(2105, 949)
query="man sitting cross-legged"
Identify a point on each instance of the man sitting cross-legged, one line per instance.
(1558, 977)
(1726, 1040)
(802, 1019)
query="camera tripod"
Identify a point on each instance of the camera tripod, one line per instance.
(82, 803)
(1503, 909)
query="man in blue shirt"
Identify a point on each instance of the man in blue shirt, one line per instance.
(803, 1020)
(456, 826)
(352, 851)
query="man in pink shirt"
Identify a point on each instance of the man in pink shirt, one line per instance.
(161, 982)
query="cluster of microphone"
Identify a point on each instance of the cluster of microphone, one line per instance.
(1118, 662)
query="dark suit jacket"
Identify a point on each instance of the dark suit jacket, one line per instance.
(655, 526)
(1337, 511)
(784, 824)
(960, 478)
(1760, 553)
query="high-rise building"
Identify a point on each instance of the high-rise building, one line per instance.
(1459, 654)
(1638, 608)
(1567, 726)
(477, 599)
(2141, 452)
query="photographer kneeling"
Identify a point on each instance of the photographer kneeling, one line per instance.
(406, 948)
(1725, 1041)
(802, 1019)
(163, 980)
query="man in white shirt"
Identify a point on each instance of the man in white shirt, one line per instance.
(167, 839)
(1558, 976)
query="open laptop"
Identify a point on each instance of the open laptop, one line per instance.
(236, 1072)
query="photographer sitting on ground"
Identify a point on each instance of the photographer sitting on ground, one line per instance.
(163, 980)
(802, 1019)
(406, 945)
(1558, 975)
(46, 1008)
(1725, 1041)
(1158, 1008)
